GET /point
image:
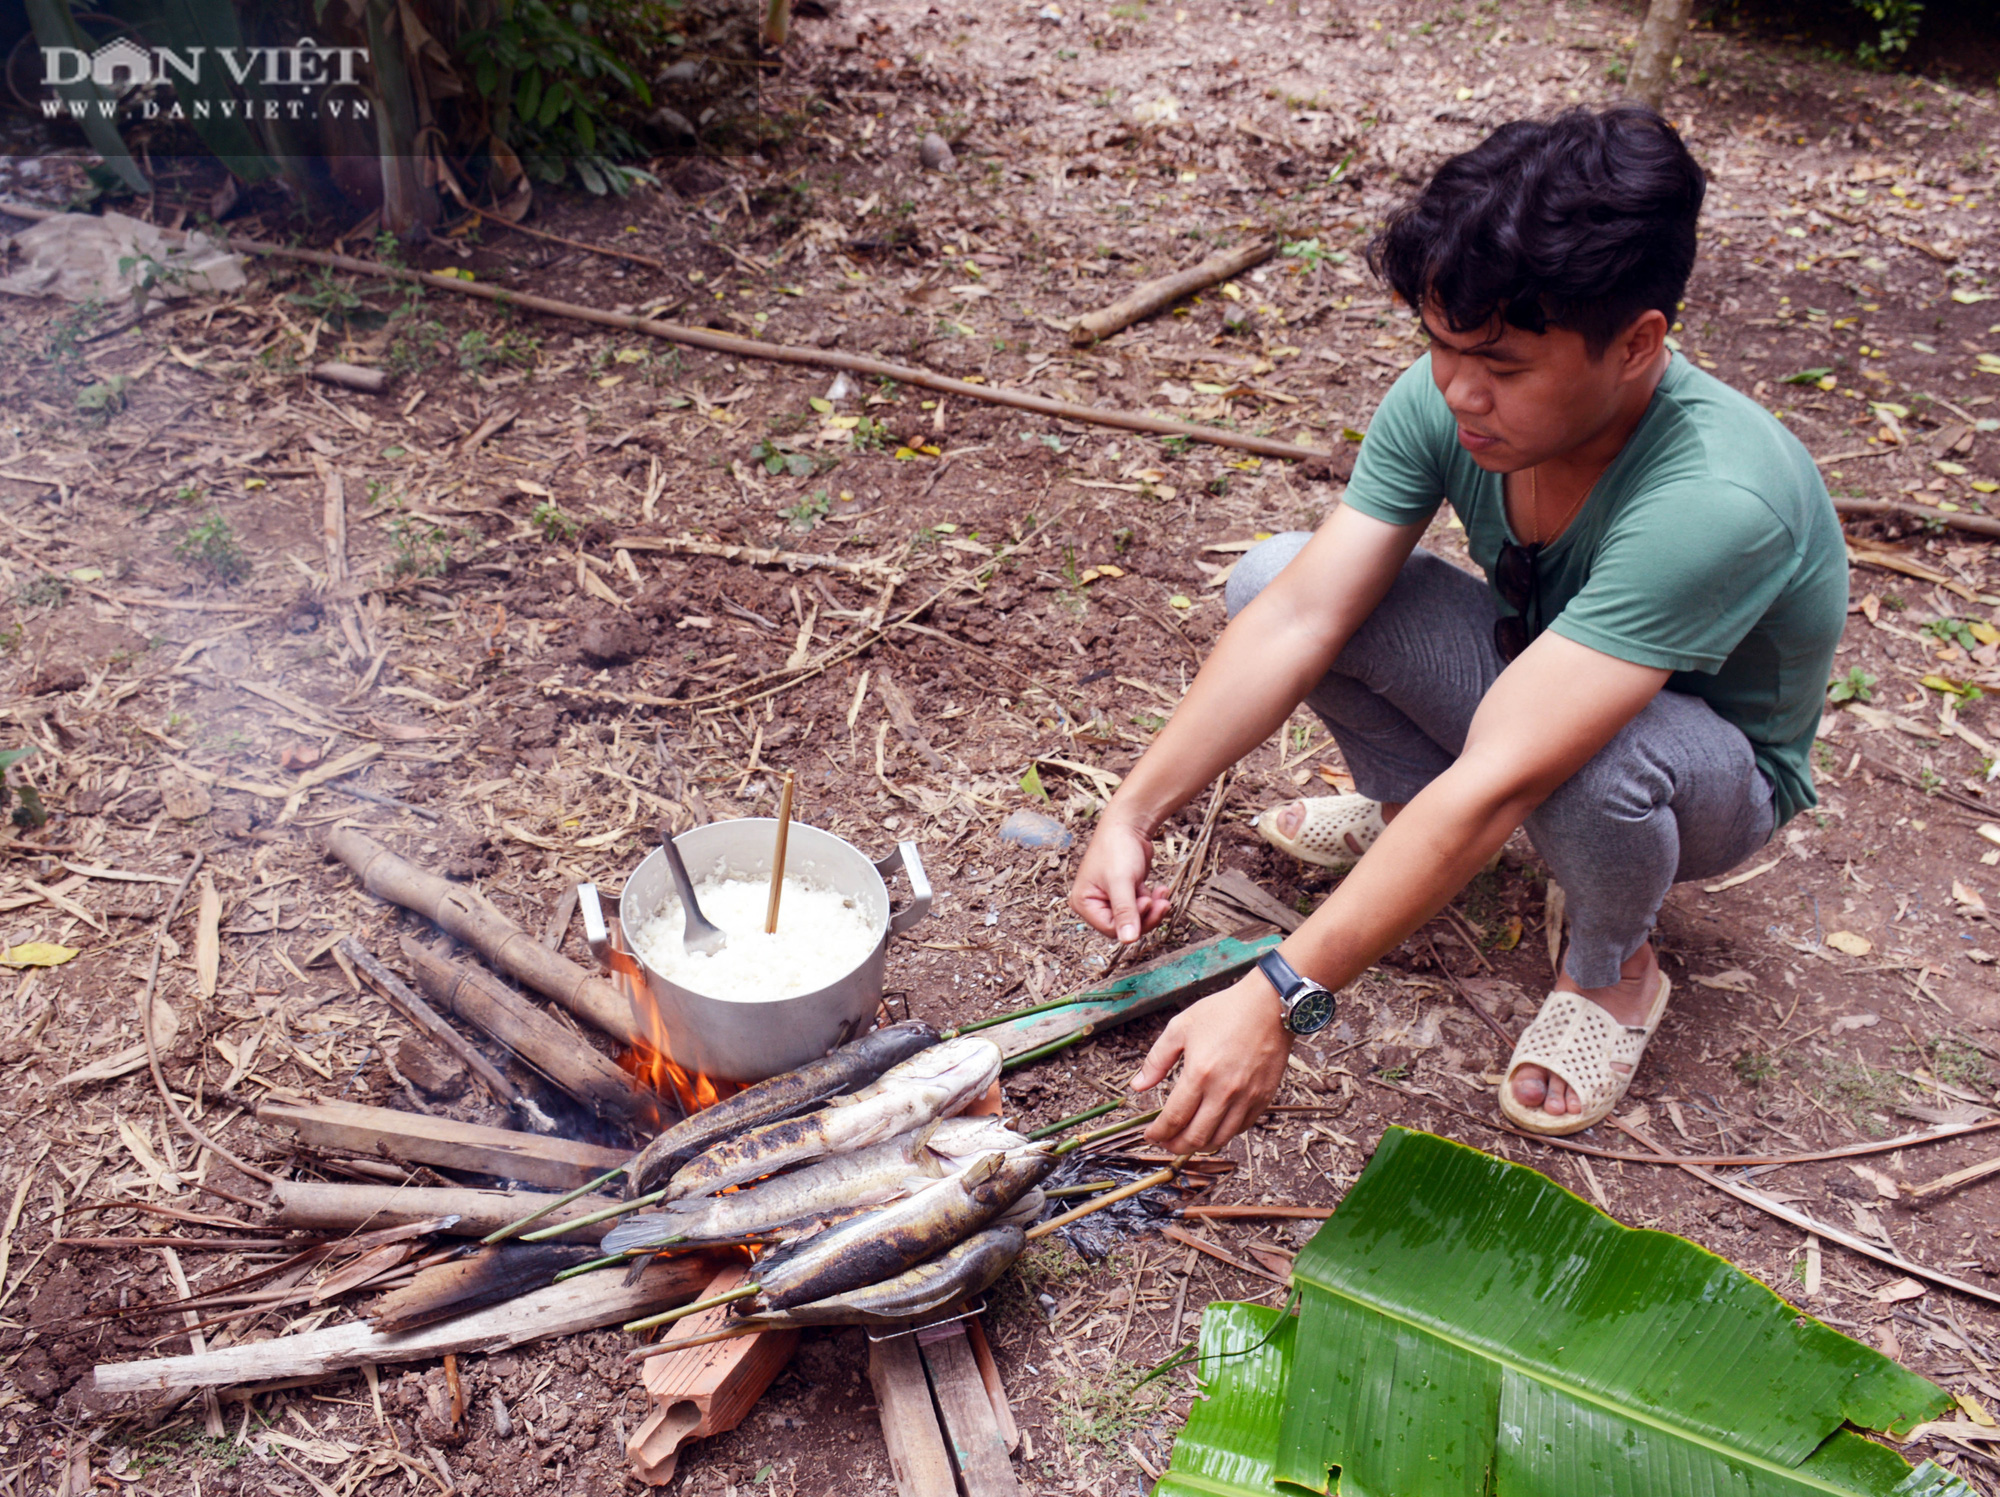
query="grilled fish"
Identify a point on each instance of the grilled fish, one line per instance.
(956, 1274)
(867, 1177)
(886, 1242)
(853, 1064)
(931, 1084)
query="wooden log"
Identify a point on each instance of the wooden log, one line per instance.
(333, 1206)
(977, 1447)
(479, 998)
(581, 1304)
(352, 377)
(503, 944)
(1882, 508)
(917, 1456)
(441, 1142)
(1149, 296)
(705, 1390)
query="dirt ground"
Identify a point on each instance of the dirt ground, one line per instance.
(544, 668)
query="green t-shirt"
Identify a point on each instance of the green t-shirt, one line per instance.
(1708, 548)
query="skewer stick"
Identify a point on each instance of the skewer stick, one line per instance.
(1070, 1145)
(596, 1216)
(661, 1348)
(591, 1267)
(778, 857)
(563, 1200)
(1110, 1197)
(727, 1297)
(1065, 1124)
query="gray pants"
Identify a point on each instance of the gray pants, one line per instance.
(1675, 795)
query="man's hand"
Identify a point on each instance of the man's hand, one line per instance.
(1110, 891)
(1232, 1047)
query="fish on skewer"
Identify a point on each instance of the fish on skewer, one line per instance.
(872, 1176)
(934, 1083)
(957, 1274)
(854, 1064)
(882, 1243)
(899, 1236)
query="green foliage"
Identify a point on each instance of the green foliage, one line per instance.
(1952, 631)
(1312, 253)
(42, 592)
(1754, 1067)
(1956, 1062)
(553, 523)
(1807, 376)
(556, 85)
(210, 545)
(479, 351)
(869, 435)
(1896, 24)
(105, 398)
(30, 813)
(1857, 685)
(422, 549)
(782, 460)
(328, 296)
(809, 511)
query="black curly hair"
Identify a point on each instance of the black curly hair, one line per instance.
(1582, 221)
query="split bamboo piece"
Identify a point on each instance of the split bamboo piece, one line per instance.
(324, 1206)
(583, 1304)
(442, 1142)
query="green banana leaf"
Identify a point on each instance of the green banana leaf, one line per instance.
(1468, 1328)
(55, 26)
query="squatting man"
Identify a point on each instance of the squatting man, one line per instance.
(1636, 680)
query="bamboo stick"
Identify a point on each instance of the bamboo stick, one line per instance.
(1109, 1198)
(727, 1297)
(339, 1206)
(1149, 296)
(778, 855)
(1065, 1124)
(501, 1234)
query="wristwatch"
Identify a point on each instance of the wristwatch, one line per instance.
(1308, 1005)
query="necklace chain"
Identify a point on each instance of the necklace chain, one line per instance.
(1535, 505)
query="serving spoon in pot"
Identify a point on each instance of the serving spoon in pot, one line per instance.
(701, 934)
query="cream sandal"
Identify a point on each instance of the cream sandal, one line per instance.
(1579, 1043)
(1336, 831)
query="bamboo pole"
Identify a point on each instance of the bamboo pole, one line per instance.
(504, 944)
(1148, 297)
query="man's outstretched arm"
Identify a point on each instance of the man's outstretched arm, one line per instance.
(1269, 657)
(1548, 713)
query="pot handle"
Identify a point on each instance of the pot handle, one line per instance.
(911, 863)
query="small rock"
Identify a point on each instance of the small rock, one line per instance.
(1031, 829)
(613, 641)
(935, 153)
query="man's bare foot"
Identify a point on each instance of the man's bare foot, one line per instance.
(1292, 816)
(1628, 1001)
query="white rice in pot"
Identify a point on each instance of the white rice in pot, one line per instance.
(822, 935)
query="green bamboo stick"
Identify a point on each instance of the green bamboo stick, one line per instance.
(593, 1264)
(1087, 1188)
(621, 1209)
(1022, 1013)
(1070, 1122)
(727, 1297)
(1084, 1138)
(1043, 1052)
(563, 1200)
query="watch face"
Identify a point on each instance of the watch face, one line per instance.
(1313, 1012)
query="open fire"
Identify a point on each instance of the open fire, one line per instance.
(651, 1061)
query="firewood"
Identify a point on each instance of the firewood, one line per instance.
(503, 944)
(443, 1143)
(482, 1000)
(352, 377)
(490, 1276)
(705, 1390)
(428, 1069)
(427, 1019)
(323, 1206)
(580, 1304)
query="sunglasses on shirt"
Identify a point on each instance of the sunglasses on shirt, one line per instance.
(1514, 579)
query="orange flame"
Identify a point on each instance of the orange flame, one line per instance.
(651, 1061)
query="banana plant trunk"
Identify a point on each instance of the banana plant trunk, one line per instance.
(409, 200)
